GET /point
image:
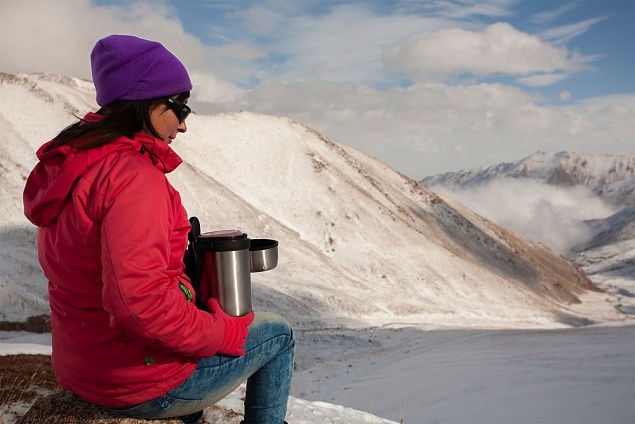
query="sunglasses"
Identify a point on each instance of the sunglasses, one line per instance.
(181, 110)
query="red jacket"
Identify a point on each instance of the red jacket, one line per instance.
(111, 242)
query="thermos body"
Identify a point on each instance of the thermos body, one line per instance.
(222, 265)
(230, 281)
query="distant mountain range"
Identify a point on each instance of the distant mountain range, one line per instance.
(611, 177)
(608, 255)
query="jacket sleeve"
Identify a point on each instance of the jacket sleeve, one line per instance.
(140, 292)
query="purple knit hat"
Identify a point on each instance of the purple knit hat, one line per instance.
(131, 68)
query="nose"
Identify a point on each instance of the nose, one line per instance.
(182, 127)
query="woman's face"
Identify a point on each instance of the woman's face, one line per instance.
(166, 123)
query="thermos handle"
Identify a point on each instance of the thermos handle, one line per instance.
(194, 265)
(195, 231)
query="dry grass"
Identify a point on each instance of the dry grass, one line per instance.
(22, 375)
(24, 379)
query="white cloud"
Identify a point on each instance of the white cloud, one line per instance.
(551, 215)
(43, 36)
(59, 39)
(564, 95)
(258, 19)
(63, 34)
(542, 80)
(468, 8)
(566, 33)
(239, 51)
(499, 48)
(430, 128)
(550, 15)
(212, 89)
(342, 45)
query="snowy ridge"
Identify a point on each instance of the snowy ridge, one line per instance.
(612, 177)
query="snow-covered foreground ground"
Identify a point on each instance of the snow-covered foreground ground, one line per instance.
(584, 375)
(577, 375)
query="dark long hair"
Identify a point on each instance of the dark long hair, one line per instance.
(121, 118)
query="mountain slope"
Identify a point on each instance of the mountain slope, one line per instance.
(616, 228)
(360, 244)
(608, 258)
(554, 185)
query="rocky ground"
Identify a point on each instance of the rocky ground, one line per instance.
(26, 378)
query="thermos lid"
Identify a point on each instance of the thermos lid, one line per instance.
(222, 241)
(232, 234)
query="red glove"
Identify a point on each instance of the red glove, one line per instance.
(236, 330)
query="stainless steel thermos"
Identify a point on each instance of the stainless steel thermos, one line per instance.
(226, 275)
(220, 263)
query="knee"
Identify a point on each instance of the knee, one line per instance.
(273, 322)
(272, 325)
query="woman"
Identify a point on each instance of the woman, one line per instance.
(111, 239)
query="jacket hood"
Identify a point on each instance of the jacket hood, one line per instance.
(51, 182)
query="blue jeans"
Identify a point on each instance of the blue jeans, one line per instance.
(267, 366)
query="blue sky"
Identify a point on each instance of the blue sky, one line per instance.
(424, 86)
(602, 31)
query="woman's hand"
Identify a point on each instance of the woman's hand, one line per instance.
(236, 329)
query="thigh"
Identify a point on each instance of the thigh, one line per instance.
(216, 377)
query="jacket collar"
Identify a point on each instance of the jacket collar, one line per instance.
(160, 153)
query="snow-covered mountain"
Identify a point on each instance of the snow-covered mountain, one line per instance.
(603, 245)
(611, 177)
(358, 241)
